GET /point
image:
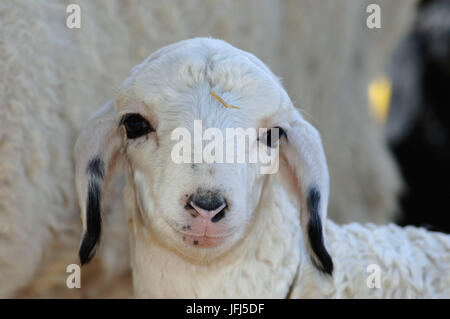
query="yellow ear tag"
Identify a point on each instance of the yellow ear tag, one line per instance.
(380, 93)
(214, 95)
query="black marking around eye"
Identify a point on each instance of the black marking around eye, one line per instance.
(135, 125)
(281, 133)
(93, 223)
(315, 233)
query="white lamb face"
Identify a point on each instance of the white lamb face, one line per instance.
(196, 205)
(200, 208)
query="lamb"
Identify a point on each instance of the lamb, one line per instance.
(210, 230)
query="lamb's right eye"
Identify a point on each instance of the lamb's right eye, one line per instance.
(270, 140)
(136, 125)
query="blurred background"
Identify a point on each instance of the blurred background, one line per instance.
(378, 96)
(418, 126)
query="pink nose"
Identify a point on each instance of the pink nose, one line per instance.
(208, 214)
(208, 203)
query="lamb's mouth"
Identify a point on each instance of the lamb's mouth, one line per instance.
(198, 240)
(202, 241)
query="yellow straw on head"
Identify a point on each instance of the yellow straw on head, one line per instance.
(218, 98)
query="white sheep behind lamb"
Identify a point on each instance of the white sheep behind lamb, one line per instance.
(226, 230)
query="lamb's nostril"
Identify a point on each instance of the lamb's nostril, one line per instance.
(219, 216)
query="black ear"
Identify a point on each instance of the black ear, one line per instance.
(315, 233)
(307, 163)
(97, 155)
(95, 174)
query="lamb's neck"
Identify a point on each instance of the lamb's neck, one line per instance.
(262, 265)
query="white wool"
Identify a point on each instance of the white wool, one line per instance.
(413, 263)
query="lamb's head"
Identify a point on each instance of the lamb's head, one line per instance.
(198, 198)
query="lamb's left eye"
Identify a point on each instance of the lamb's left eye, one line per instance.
(136, 125)
(272, 136)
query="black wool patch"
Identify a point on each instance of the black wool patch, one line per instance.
(93, 221)
(96, 167)
(315, 234)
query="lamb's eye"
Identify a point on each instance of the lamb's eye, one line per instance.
(272, 136)
(136, 125)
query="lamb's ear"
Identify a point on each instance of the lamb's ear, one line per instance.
(96, 158)
(306, 161)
